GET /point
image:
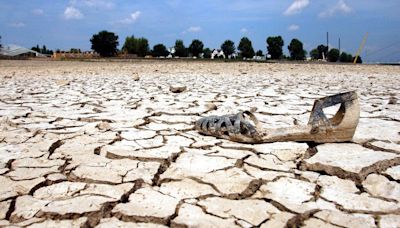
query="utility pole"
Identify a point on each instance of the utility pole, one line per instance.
(327, 40)
(339, 45)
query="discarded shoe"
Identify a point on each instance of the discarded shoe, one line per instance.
(245, 128)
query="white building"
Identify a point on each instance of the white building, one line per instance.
(15, 50)
(217, 52)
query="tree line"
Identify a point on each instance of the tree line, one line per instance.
(105, 43)
(42, 50)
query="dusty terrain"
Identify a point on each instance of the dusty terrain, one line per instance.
(87, 144)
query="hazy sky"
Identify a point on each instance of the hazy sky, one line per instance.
(70, 24)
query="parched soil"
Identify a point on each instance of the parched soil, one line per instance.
(107, 144)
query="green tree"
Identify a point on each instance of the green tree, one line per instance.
(296, 50)
(142, 47)
(130, 45)
(180, 49)
(333, 55)
(75, 50)
(37, 48)
(43, 50)
(275, 44)
(345, 58)
(207, 53)
(138, 46)
(314, 53)
(246, 48)
(259, 53)
(228, 47)
(322, 49)
(105, 43)
(196, 47)
(0, 43)
(159, 50)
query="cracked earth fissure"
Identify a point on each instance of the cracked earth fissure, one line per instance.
(115, 140)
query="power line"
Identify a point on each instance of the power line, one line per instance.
(390, 54)
(381, 49)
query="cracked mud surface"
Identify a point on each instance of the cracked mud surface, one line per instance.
(91, 144)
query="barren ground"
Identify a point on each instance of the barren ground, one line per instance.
(84, 144)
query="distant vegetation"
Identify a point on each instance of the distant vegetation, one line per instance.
(159, 50)
(42, 50)
(320, 52)
(228, 47)
(333, 55)
(296, 50)
(275, 44)
(105, 43)
(246, 48)
(196, 47)
(138, 46)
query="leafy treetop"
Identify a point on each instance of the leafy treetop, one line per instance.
(105, 43)
(196, 47)
(228, 47)
(246, 48)
(275, 44)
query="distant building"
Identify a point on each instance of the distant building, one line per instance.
(233, 56)
(69, 55)
(218, 53)
(18, 51)
(171, 52)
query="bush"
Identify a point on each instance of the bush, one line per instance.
(333, 55)
(159, 50)
(105, 43)
(196, 47)
(246, 48)
(275, 44)
(180, 49)
(228, 47)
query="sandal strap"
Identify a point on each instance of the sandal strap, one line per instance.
(233, 125)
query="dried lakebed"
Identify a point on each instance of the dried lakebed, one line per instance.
(108, 144)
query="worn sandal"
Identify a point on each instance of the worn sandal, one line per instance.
(244, 126)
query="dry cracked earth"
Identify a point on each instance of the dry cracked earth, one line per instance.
(107, 144)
